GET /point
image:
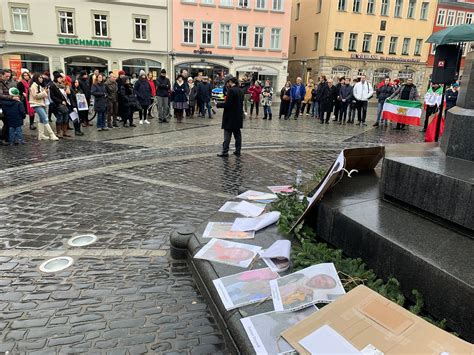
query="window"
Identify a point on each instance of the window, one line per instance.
(244, 3)
(242, 36)
(380, 44)
(224, 37)
(424, 10)
(385, 7)
(297, 15)
(20, 18)
(338, 41)
(411, 8)
(370, 7)
(259, 36)
(277, 5)
(469, 18)
(418, 44)
(352, 42)
(366, 43)
(392, 49)
(356, 6)
(206, 33)
(441, 17)
(406, 46)
(319, 5)
(398, 8)
(295, 44)
(275, 38)
(66, 22)
(460, 17)
(226, 2)
(316, 41)
(208, 2)
(342, 5)
(260, 4)
(100, 25)
(141, 28)
(450, 18)
(188, 32)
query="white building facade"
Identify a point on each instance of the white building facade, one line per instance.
(75, 35)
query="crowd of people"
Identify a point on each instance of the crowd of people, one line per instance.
(116, 98)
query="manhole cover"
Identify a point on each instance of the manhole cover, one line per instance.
(82, 240)
(56, 264)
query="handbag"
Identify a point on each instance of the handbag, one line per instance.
(286, 98)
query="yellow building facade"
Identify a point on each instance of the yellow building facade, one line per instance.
(354, 37)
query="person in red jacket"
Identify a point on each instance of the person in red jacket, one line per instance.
(255, 92)
(152, 83)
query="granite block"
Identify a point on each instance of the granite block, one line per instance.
(457, 139)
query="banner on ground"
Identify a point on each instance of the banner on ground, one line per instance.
(402, 111)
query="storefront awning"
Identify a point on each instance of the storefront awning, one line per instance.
(261, 70)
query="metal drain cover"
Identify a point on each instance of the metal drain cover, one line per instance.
(82, 240)
(56, 264)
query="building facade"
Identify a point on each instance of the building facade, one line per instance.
(353, 37)
(451, 13)
(75, 35)
(217, 37)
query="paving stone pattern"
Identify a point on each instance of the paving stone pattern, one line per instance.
(119, 297)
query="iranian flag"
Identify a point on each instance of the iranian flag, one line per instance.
(402, 111)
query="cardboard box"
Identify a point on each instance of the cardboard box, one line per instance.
(364, 317)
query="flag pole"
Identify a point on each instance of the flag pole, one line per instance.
(440, 114)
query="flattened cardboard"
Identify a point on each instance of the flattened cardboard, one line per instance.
(360, 159)
(364, 317)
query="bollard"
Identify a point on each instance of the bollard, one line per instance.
(179, 239)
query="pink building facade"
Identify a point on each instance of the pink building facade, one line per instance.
(239, 37)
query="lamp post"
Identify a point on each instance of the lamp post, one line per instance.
(303, 69)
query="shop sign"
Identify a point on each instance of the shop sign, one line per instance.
(202, 50)
(15, 66)
(84, 42)
(258, 69)
(383, 58)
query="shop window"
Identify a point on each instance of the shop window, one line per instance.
(35, 63)
(259, 36)
(275, 38)
(101, 26)
(133, 66)
(406, 74)
(20, 18)
(188, 32)
(140, 28)
(340, 71)
(66, 22)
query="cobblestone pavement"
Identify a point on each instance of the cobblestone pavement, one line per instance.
(131, 188)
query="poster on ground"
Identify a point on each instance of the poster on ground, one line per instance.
(227, 252)
(222, 230)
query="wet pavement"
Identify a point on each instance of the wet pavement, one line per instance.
(131, 188)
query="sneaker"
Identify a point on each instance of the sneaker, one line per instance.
(141, 121)
(364, 124)
(105, 129)
(147, 122)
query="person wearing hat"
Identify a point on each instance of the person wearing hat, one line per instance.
(192, 96)
(143, 91)
(14, 111)
(163, 87)
(232, 118)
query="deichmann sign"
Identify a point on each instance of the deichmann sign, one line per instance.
(84, 42)
(379, 57)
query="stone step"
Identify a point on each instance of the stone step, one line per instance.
(437, 184)
(394, 242)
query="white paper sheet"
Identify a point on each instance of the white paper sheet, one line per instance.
(264, 330)
(257, 196)
(227, 252)
(277, 256)
(257, 223)
(228, 207)
(325, 341)
(74, 116)
(248, 209)
(281, 189)
(221, 230)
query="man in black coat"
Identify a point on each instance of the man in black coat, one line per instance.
(232, 118)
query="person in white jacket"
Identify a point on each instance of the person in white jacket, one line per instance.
(362, 92)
